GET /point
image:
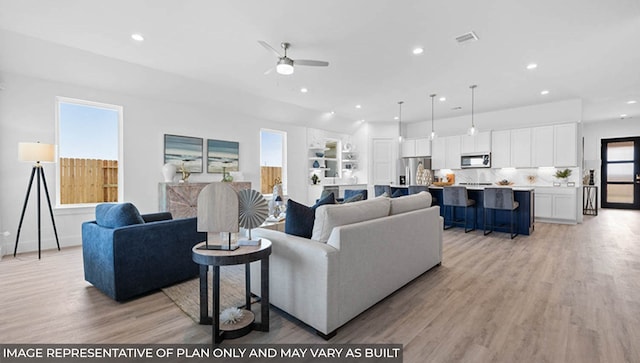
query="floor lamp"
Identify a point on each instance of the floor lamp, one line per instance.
(36, 152)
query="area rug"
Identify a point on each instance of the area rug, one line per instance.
(186, 295)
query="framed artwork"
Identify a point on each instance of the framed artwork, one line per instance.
(183, 149)
(221, 154)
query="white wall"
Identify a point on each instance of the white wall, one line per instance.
(513, 118)
(27, 113)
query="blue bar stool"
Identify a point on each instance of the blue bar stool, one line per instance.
(500, 199)
(381, 189)
(457, 197)
(415, 189)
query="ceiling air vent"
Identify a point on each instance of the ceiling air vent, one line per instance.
(467, 37)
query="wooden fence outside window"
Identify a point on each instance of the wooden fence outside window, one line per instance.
(268, 175)
(88, 181)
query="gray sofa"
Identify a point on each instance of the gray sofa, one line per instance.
(359, 254)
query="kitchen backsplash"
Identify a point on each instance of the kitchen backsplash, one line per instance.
(519, 177)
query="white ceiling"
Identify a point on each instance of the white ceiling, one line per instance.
(586, 49)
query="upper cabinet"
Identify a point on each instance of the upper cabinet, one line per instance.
(423, 147)
(542, 146)
(501, 149)
(553, 146)
(445, 153)
(565, 140)
(452, 152)
(438, 152)
(521, 148)
(416, 147)
(408, 148)
(480, 143)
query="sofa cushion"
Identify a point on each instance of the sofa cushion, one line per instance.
(300, 218)
(114, 215)
(411, 202)
(330, 216)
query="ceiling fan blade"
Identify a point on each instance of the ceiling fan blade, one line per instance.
(307, 62)
(268, 71)
(269, 48)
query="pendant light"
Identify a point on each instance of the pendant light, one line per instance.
(400, 121)
(472, 131)
(433, 133)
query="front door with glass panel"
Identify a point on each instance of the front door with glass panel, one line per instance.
(621, 173)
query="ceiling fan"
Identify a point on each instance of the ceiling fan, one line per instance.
(285, 64)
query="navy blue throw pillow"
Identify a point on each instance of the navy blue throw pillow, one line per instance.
(300, 218)
(113, 215)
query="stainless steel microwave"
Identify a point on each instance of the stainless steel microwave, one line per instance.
(475, 160)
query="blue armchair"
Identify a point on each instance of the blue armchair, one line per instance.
(126, 254)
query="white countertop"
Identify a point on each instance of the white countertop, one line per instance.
(342, 185)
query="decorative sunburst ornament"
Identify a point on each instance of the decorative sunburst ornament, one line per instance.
(253, 211)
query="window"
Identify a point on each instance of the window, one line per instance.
(89, 142)
(273, 160)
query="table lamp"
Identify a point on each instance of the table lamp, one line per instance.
(218, 208)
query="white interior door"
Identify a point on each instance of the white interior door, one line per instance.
(383, 157)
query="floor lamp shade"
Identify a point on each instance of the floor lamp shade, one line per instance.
(35, 151)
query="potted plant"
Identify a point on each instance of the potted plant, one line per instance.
(563, 174)
(315, 179)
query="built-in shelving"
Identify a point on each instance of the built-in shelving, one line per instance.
(349, 160)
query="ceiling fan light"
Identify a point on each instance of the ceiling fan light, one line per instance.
(285, 67)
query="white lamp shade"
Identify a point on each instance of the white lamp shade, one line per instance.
(35, 151)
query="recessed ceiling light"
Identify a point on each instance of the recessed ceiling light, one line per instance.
(137, 37)
(442, 99)
(395, 117)
(631, 102)
(304, 90)
(358, 106)
(361, 121)
(623, 115)
(418, 50)
(532, 66)
(545, 92)
(332, 112)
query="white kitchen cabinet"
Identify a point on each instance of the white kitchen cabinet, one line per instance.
(452, 152)
(438, 152)
(521, 148)
(501, 149)
(408, 148)
(565, 140)
(556, 204)
(480, 143)
(416, 147)
(542, 146)
(423, 147)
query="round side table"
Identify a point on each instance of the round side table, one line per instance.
(243, 255)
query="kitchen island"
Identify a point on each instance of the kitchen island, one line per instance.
(522, 195)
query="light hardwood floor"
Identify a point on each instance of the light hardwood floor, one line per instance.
(565, 294)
